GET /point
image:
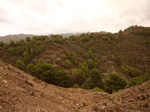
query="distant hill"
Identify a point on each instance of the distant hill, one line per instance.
(16, 37)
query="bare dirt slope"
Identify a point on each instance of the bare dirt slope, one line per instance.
(22, 92)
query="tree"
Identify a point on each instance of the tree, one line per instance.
(1, 43)
(48, 76)
(41, 67)
(62, 78)
(114, 83)
(20, 64)
(30, 68)
(74, 57)
(31, 51)
(12, 43)
(11, 50)
(5, 47)
(19, 50)
(84, 67)
(28, 39)
(26, 57)
(21, 42)
(78, 76)
(95, 78)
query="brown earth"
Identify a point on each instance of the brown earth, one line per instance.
(20, 92)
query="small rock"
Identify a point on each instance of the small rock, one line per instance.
(5, 81)
(32, 93)
(146, 105)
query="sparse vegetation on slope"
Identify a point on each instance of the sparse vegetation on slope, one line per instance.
(86, 60)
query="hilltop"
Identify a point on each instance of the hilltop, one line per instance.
(20, 91)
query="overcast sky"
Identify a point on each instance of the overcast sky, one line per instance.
(71, 16)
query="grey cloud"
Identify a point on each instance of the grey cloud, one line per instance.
(4, 20)
(62, 16)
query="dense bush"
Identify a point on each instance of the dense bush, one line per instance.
(85, 38)
(30, 68)
(20, 64)
(76, 86)
(144, 31)
(135, 80)
(68, 63)
(72, 38)
(84, 67)
(30, 47)
(90, 63)
(140, 79)
(85, 85)
(97, 89)
(47, 73)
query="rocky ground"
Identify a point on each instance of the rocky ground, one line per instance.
(20, 91)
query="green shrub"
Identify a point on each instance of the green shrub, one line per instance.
(116, 38)
(85, 38)
(135, 80)
(131, 71)
(95, 78)
(20, 64)
(90, 63)
(146, 77)
(68, 63)
(74, 57)
(85, 85)
(12, 50)
(72, 38)
(30, 68)
(105, 37)
(97, 89)
(76, 86)
(26, 56)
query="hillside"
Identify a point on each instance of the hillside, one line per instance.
(22, 92)
(111, 62)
